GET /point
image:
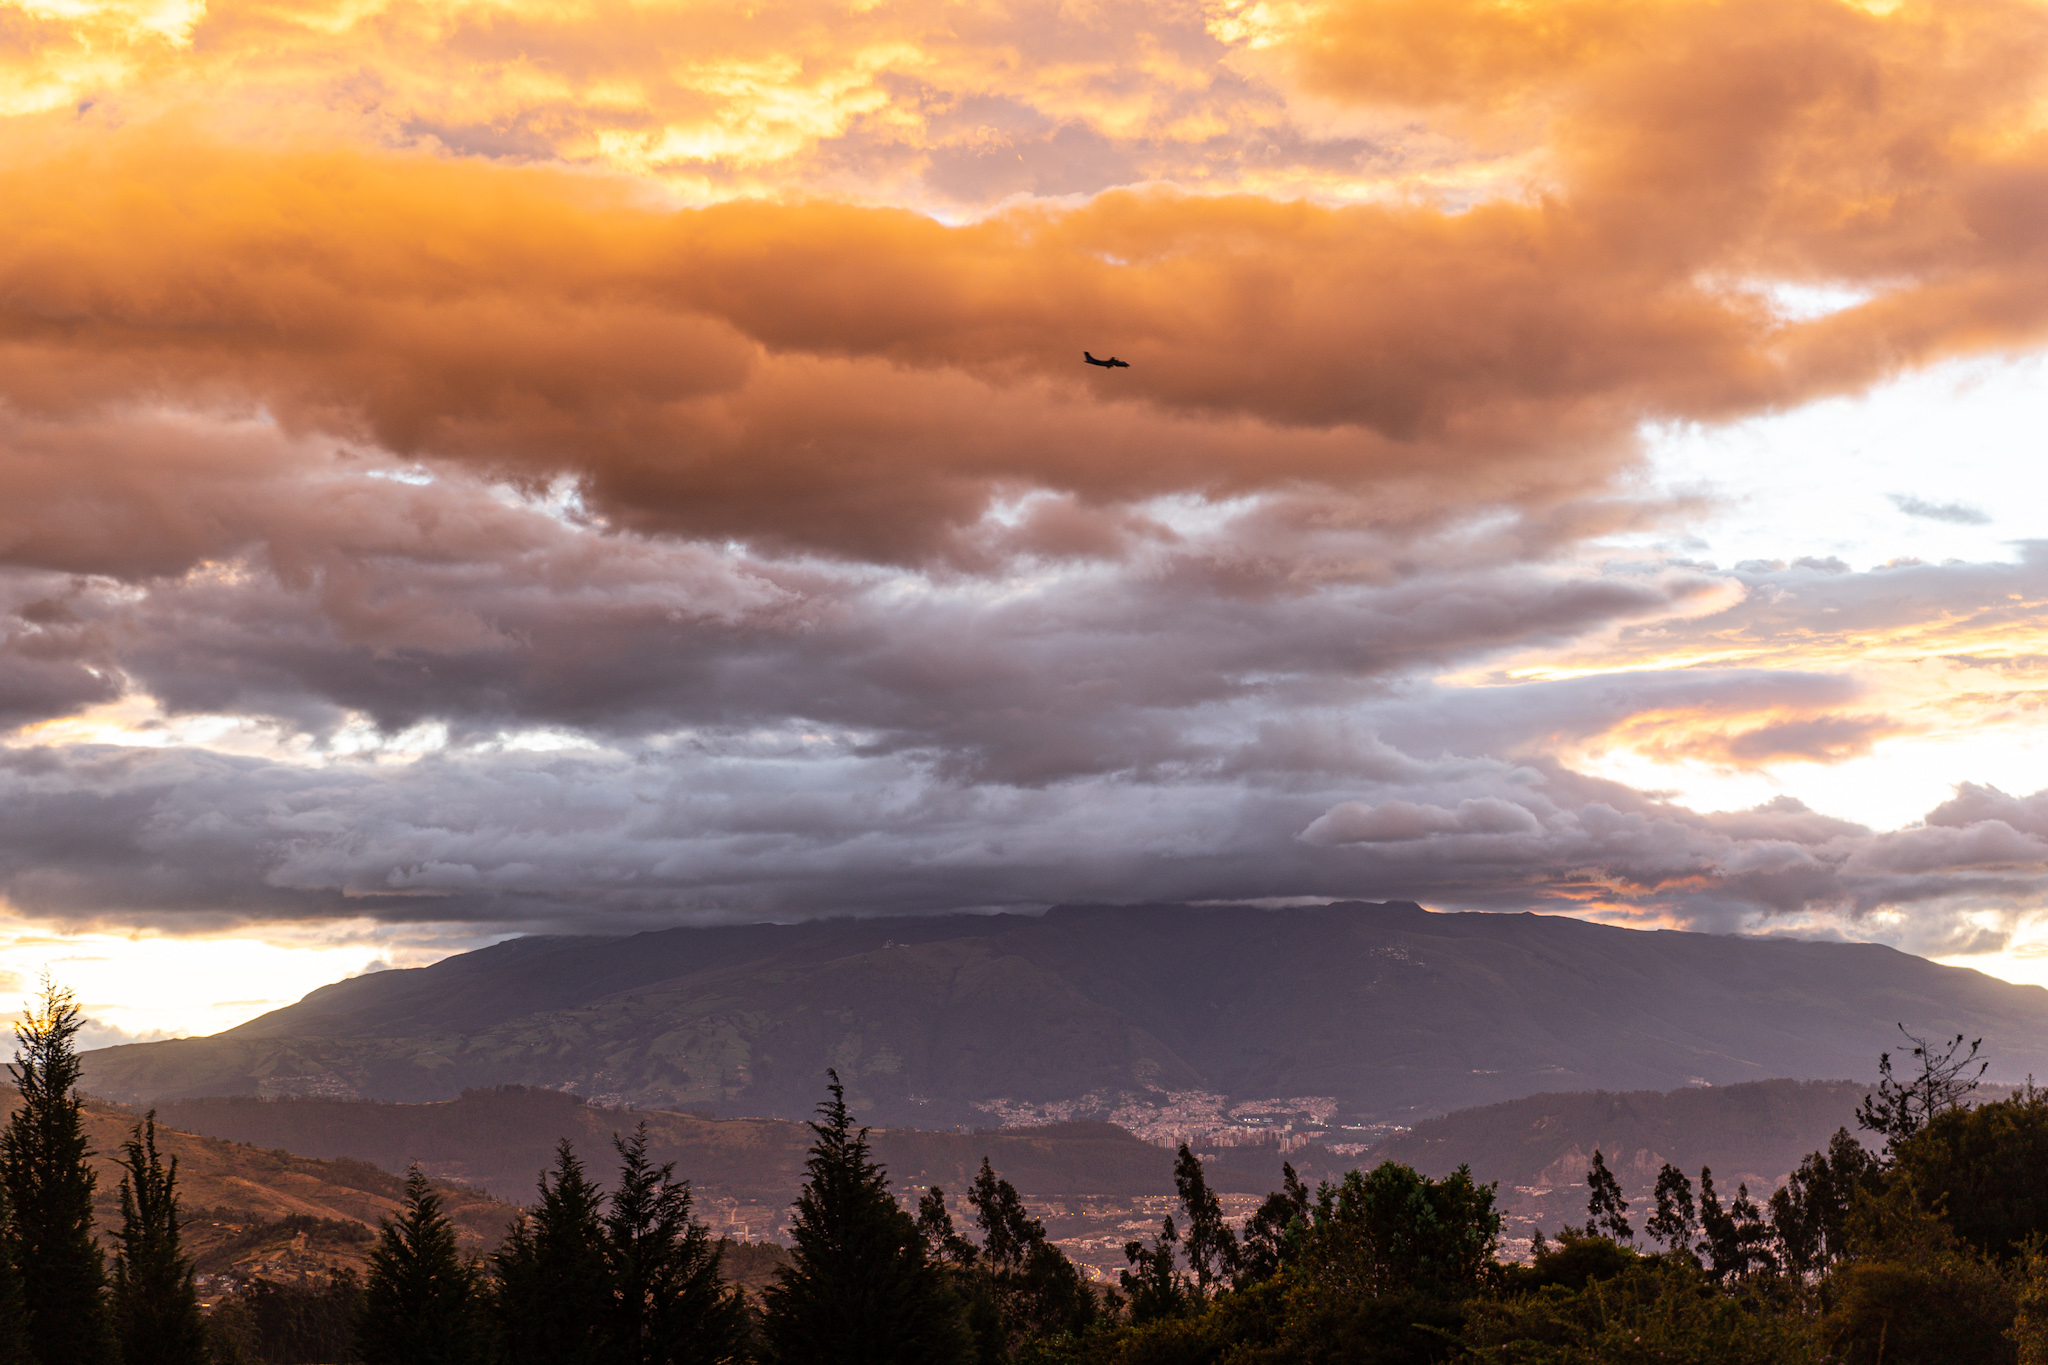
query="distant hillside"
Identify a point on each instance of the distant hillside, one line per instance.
(1756, 1132)
(258, 1210)
(270, 1184)
(1090, 1180)
(745, 1171)
(1538, 1148)
(1216, 1022)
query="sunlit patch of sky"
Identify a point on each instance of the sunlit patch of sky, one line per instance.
(137, 720)
(139, 986)
(1837, 477)
(2023, 959)
(1853, 479)
(1805, 302)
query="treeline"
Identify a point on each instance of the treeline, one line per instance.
(1931, 1248)
(1929, 1245)
(60, 1302)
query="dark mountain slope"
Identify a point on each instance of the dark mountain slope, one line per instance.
(1149, 1014)
(500, 1140)
(1538, 1147)
(1755, 1132)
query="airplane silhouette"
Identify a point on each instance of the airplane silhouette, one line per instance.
(1110, 364)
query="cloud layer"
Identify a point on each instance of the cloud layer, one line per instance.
(553, 466)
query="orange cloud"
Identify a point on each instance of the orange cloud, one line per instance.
(711, 99)
(865, 380)
(1755, 742)
(1383, 269)
(717, 370)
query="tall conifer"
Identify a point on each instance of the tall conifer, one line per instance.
(156, 1306)
(553, 1298)
(50, 1185)
(1034, 1288)
(670, 1306)
(859, 1288)
(419, 1303)
(14, 1342)
(1606, 1210)
(1211, 1246)
(1675, 1221)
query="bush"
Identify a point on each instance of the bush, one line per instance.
(1981, 1168)
(265, 1323)
(1914, 1292)
(1657, 1308)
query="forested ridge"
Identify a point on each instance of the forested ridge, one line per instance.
(1924, 1237)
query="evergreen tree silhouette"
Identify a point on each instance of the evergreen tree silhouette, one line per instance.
(1033, 1287)
(419, 1302)
(1154, 1288)
(669, 1305)
(1008, 1231)
(1753, 1250)
(553, 1292)
(1211, 1246)
(1606, 1210)
(1720, 1237)
(43, 1167)
(1272, 1229)
(14, 1339)
(156, 1306)
(1675, 1222)
(859, 1288)
(935, 1226)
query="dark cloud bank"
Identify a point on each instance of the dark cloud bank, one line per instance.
(779, 558)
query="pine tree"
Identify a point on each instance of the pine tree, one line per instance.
(1606, 1210)
(50, 1185)
(935, 1225)
(1273, 1228)
(419, 1303)
(859, 1288)
(1154, 1288)
(670, 1306)
(14, 1339)
(1752, 1236)
(1720, 1238)
(552, 1299)
(156, 1306)
(1810, 1214)
(1211, 1246)
(1034, 1288)
(1674, 1222)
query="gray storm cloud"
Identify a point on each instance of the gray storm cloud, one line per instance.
(611, 730)
(432, 525)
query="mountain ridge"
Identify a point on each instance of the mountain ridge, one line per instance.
(1358, 1015)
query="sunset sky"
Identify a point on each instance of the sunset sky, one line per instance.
(472, 468)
